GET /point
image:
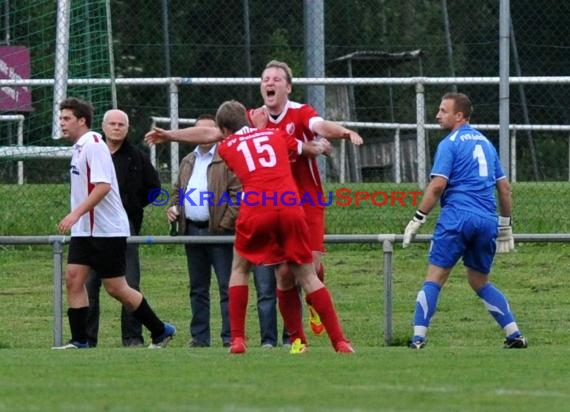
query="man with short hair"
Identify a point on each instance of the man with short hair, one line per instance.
(204, 172)
(99, 229)
(465, 174)
(303, 123)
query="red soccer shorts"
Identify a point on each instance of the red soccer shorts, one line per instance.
(266, 236)
(315, 217)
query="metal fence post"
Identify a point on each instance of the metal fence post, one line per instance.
(388, 249)
(174, 157)
(421, 134)
(57, 290)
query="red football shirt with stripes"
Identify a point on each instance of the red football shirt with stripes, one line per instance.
(297, 120)
(271, 226)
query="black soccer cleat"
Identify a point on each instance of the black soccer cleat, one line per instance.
(519, 342)
(417, 344)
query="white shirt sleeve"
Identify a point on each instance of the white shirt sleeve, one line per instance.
(100, 163)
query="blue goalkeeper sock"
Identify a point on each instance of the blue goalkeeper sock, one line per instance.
(426, 303)
(498, 306)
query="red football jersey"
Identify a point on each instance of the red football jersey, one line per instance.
(271, 226)
(260, 160)
(296, 120)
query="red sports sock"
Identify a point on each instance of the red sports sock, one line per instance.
(321, 276)
(322, 302)
(237, 308)
(290, 308)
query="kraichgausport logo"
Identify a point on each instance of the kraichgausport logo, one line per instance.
(340, 197)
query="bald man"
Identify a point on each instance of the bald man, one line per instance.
(136, 177)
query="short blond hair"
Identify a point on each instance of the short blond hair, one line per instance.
(283, 66)
(231, 115)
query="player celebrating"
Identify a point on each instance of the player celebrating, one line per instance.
(304, 123)
(268, 230)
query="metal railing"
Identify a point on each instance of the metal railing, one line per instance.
(397, 127)
(19, 139)
(387, 241)
(419, 83)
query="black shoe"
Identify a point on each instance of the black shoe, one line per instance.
(417, 343)
(196, 344)
(133, 343)
(519, 342)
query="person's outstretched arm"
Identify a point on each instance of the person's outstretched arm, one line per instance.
(194, 134)
(333, 130)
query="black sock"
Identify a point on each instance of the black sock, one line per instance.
(78, 323)
(146, 315)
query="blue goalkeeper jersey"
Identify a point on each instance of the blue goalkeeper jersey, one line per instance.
(469, 162)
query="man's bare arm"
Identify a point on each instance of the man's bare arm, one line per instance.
(99, 191)
(333, 130)
(194, 135)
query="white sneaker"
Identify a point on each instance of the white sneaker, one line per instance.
(162, 340)
(72, 345)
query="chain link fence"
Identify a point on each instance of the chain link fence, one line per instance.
(234, 40)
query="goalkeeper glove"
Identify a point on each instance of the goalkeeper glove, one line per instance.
(413, 226)
(505, 240)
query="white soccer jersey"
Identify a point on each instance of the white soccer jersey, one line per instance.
(91, 163)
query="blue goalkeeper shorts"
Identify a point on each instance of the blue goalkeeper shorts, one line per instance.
(460, 234)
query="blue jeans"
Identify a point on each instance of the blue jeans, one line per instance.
(201, 258)
(265, 285)
(131, 327)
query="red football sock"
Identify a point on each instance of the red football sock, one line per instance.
(237, 308)
(321, 276)
(290, 308)
(322, 302)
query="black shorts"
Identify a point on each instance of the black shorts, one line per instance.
(105, 255)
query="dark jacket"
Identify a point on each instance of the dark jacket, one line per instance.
(136, 177)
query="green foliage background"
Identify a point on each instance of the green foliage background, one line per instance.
(211, 39)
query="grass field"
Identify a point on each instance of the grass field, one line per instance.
(463, 368)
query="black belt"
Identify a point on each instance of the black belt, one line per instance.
(199, 225)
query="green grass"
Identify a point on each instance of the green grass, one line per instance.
(389, 379)
(463, 368)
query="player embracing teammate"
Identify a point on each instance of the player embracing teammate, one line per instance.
(302, 122)
(270, 233)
